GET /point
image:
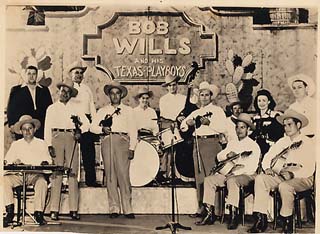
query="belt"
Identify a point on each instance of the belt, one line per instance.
(115, 133)
(209, 136)
(292, 165)
(62, 130)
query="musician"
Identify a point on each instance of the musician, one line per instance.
(145, 116)
(242, 173)
(117, 147)
(171, 104)
(296, 173)
(267, 130)
(29, 150)
(206, 144)
(29, 98)
(303, 89)
(62, 136)
(84, 102)
(235, 108)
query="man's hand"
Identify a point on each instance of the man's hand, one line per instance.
(287, 175)
(44, 163)
(269, 171)
(17, 162)
(191, 122)
(106, 130)
(204, 121)
(231, 154)
(131, 154)
(77, 134)
(52, 151)
(180, 118)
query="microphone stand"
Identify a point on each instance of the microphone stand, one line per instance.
(173, 225)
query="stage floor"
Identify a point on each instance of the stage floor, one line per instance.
(143, 224)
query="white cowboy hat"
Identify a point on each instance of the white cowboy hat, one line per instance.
(211, 87)
(115, 84)
(68, 83)
(307, 79)
(77, 64)
(169, 79)
(246, 118)
(289, 113)
(142, 91)
(23, 120)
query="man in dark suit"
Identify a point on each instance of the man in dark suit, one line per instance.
(29, 98)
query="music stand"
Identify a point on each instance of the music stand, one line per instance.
(173, 225)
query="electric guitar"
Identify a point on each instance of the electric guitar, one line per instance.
(224, 167)
(279, 160)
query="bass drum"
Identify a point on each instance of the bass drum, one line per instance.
(145, 164)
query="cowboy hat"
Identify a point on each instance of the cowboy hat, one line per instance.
(68, 83)
(246, 118)
(142, 91)
(115, 84)
(211, 87)
(77, 65)
(169, 79)
(306, 79)
(236, 102)
(23, 120)
(289, 113)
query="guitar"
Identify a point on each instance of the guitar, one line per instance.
(224, 167)
(279, 160)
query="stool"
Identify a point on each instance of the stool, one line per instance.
(18, 191)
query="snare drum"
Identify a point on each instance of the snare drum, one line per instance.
(145, 164)
(167, 135)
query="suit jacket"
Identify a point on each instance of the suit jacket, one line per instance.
(20, 103)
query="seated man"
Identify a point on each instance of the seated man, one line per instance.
(244, 153)
(294, 174)
(32, 151)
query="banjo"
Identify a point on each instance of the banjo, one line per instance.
(279, 160)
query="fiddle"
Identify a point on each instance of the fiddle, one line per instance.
(108, 119)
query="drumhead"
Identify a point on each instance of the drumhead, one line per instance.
(145, 164)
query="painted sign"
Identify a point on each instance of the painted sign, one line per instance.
(144, 47)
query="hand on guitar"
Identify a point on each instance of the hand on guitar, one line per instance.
(191, 122)
(269, 171)
(17, 162)
(287, 175)
(180, 119)
(204, 121)
(106, 130)
(131, 154)
(230, 154)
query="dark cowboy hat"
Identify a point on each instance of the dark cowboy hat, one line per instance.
(246, 118)
(142, 91)
(115, 84)
(68, 83)
(23, 120)
(289, 113)
(169, 79)
(77, 64)
(264, 92)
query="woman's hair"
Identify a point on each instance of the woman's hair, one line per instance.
(266, 93)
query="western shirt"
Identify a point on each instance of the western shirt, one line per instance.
(146, 119)
(84, 99)
(171, 105)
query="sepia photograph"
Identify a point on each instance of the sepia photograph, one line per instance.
(159, 117)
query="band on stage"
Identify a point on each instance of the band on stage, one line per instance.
(266, 149)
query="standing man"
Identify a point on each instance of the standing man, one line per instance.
(303, 89)
(84, 102)
(115, 121)
(63, 127)
(28, 150)
(171, 104)
(209, 121)
(296, 174)
(242, 173)
(29, 98)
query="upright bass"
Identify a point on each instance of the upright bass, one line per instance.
(184, 150)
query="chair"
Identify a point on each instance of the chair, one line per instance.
(245, 191)
(18, 192)
(222, 195)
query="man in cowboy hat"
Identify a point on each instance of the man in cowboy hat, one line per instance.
(84, 102)
(303, 89)
(29, 98)
(296, 172)
(115, 121)
(208, 122)
(145, 117)
(170, 105)
(242, 173)
(28, 150)
(62, 134)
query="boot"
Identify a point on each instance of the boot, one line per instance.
(9, 217)
(209, 218)
(234, 218)
(261, 223)
(287, 224)
(38, 216)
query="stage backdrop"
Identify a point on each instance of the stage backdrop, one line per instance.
(140, 46)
